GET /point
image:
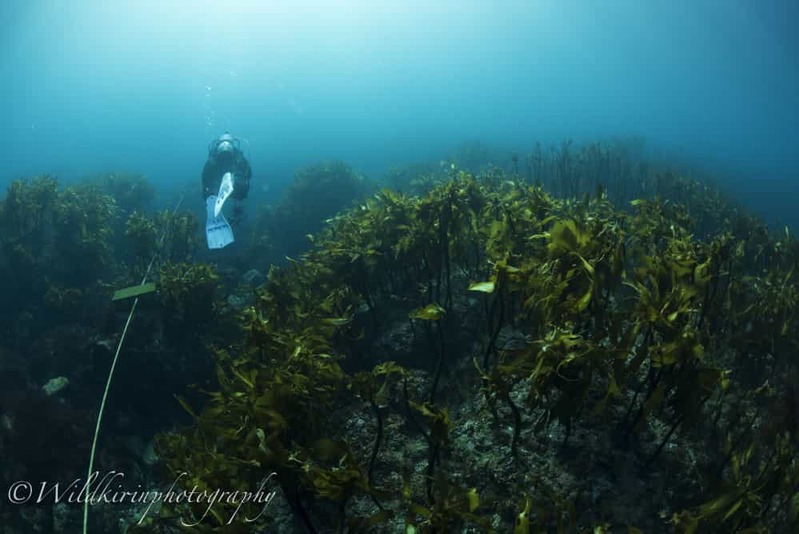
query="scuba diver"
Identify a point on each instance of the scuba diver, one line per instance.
(226, 173)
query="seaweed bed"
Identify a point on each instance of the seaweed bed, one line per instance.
(577, 342)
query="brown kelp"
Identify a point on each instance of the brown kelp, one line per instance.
(531, 319)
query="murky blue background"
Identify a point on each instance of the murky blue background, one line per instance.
(96, 86)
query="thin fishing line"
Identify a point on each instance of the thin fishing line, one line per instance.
(114, 364)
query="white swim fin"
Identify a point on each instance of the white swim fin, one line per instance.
(225, 188)
(217, 230)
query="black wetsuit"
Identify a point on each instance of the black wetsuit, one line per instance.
(218, 164)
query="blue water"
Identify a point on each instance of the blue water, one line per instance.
(96, 86)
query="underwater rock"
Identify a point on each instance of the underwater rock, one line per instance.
(149, 456)
(63, 517)
(239, 301)
(253, 278)
(513, 339)
(242, 297)
(107, 344)
(34, 519)
(54, 385)
(398, 342)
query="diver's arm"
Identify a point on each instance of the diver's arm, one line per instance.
(243, 174)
